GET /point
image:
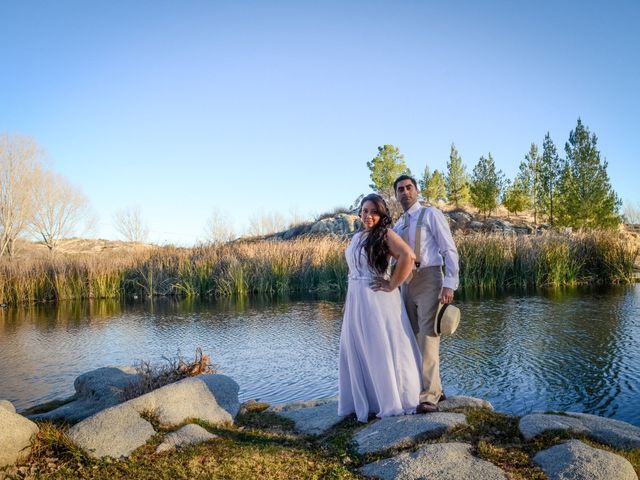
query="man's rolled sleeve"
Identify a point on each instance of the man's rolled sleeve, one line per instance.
(442, 234)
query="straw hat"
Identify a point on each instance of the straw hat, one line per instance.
(447, 319)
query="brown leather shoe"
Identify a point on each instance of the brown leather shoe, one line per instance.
(426, 407)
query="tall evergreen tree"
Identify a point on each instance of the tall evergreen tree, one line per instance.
(423, 183)
(486, 185)
(384, 168)
(457, 180)
(586, 197)
(516, 197)
(529, 178)
(435, 190)
(549, 173)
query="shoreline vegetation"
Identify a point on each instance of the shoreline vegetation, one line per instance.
(310, 264)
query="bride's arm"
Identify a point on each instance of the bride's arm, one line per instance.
(405, 261)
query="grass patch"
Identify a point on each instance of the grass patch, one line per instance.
(46, 407)
(262, 445)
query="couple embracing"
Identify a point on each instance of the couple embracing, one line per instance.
(389, 349)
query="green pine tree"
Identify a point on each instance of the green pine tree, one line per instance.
(516, 197)
(435, 190)
(486, 185)
(529, 178)
(457, 180)
(549, 174)
(423, 183)
(586, 199)
(384, 168)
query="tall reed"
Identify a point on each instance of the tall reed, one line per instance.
(309, 265)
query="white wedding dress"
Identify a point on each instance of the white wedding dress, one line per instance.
(379, 357)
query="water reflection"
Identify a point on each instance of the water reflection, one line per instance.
(554, 350)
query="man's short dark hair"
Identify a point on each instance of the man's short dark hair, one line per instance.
(404, 177)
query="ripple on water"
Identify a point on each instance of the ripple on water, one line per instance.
(522, 353)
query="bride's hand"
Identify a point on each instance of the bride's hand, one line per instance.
(380, 284)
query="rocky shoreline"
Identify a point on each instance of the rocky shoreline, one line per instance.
(408, 447)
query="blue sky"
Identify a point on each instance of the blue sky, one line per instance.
(254, 107)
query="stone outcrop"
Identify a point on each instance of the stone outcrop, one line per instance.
(187, 435)
(95, 391)
(404, 431)
(312, 417)
(573, 460)
(605, 430)
(440, 461)
(16, 433)
(118, 430)
(340, 224)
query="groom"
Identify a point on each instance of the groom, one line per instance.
(427, 288)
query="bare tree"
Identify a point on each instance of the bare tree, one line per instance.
(219, 228)
(631, 212)
(20, 169)
(130, 224)
(266, 223)
(59, 208)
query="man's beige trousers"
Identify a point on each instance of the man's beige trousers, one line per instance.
(421, 300)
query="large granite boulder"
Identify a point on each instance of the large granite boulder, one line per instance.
(606, 430)
(225, 389)
(440, 461)
(118, 430)
(115, 432)
(95, 390)
(404, 431)
(16, 433)
(312, 417)
(174, 403)
(573, 460)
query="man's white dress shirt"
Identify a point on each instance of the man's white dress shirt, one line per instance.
(436, 241)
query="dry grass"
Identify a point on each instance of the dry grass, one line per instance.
(151, 377)
(309, 264)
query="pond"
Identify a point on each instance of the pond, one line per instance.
(567, 350)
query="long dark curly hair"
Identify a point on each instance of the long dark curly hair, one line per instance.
(375, 241)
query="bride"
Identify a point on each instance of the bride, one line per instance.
(379, 370)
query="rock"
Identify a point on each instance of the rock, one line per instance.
(460, 216)
(187, 435)
(119, 430)
(176, 402)
(440, 461)
(15, 435)
(340, 224)
(534, 424)
(573, 460)
(460, 401)
(114, 432)
(8, 406)
(225, 389)
(95, 391)
(312, 417)
(605, 430)
(404, 431)
(475, 225)
(496, 225)
(612, 432)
